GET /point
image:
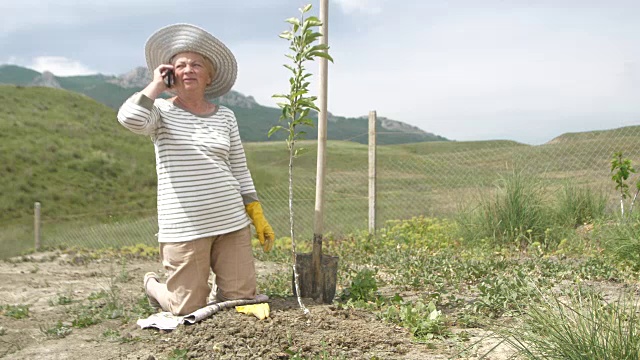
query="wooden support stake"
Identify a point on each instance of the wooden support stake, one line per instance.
(318, 219)
(372, 172)
(36, 225)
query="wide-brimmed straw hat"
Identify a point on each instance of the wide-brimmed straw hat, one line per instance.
(177, 38)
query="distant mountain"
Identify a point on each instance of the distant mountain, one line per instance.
(136, 78)
(254, 120)
(46, 79)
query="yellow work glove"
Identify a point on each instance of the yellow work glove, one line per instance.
(263, 229)
(261, 311)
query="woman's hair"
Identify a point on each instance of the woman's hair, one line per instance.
(208, 64)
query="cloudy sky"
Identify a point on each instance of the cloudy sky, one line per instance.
(525, 70)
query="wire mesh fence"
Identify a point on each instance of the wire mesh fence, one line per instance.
(428, 179)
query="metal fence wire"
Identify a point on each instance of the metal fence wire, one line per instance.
(417, 179)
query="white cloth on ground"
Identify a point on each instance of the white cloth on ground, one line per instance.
(167, 321)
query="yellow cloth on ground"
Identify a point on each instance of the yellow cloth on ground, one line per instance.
(261, 311)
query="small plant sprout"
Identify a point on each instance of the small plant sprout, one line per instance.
(621, 169)
(297, 104)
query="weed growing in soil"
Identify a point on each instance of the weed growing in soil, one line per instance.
(107, 304)
(61, 299)
(363, 287)
(85, 317)
(115, 336)
(123, 276)
(141, 309)
(500, 293)
(423, 320)
(15, 311)
(57, 331)
(324, 355)
(276, 285)
(111, 334)
(179, 354)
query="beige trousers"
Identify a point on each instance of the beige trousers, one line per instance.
(188, 263)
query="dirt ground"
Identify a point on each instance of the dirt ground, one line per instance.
(330, 332)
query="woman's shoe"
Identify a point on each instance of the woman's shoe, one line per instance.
(152, 301)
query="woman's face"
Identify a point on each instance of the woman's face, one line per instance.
(191, 71)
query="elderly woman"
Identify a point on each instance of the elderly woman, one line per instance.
(206, 196)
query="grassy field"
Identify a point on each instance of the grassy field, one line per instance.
(430, 179)
(69, 153)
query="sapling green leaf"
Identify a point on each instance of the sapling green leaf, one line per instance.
(286, 35)
(274, 129)
(293, 21)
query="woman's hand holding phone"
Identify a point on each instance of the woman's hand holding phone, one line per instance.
(169, 78)
(163, 78)
(164, 74)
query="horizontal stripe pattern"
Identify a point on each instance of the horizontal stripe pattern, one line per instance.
(201, 168)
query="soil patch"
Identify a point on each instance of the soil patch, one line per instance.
(52, 284)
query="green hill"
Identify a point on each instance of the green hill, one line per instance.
(96, 87)
(11, 74)
(456, 146)
(613, 135)
(69, 152)
(254, 119)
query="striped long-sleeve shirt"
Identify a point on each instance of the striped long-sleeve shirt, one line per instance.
(203, 179)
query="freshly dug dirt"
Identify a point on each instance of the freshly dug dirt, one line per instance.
(328, 332)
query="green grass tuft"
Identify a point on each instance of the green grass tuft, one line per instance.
(580, 205)
(578, 326)
(514, 215)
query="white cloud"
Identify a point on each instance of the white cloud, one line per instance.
(59, 66)
(362, 6)
(11, 60)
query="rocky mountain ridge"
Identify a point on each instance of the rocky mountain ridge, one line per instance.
(46, 79)
(256, 121)
(141, 76)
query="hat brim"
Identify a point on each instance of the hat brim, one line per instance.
(178, 38)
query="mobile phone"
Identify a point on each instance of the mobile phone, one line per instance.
(169, 78)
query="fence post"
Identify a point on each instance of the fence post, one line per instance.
(372, 172)
(36, 225)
